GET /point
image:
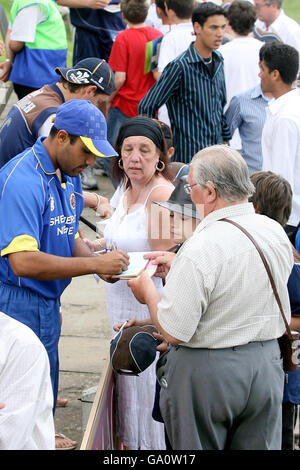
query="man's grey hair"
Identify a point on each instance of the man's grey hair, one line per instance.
(278, 2)
(226, 170)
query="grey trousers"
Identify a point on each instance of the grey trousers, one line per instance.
(214, 399)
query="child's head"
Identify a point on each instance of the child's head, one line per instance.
(182, 217)
(134, 11)
(273, 196)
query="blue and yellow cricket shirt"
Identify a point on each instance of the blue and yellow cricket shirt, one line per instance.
(37, 212)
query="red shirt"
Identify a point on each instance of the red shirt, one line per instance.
(128, 55)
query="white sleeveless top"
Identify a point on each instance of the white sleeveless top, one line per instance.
(135, 395)
(129, 232)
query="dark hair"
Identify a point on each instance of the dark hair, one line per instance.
(75, 87)
(161, 4)
(273, 196)
(182, 8)
(167, 132)
(118, 173)
(54, 131)
(135, 11)
(281, 57)
(203, 11)
(241, 16)
(278, 2)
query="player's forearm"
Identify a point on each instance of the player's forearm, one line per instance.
(9, 53)
(46, 267)
(96, 4)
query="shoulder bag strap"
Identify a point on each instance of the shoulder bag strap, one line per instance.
(267, 269)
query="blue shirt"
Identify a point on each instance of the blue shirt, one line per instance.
(22, 124)
(195, 101)
(37, 212)
(247, 113)
(292, 379)
(297, 240)
(96, 30)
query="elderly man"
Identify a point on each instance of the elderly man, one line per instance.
(222, 379)
(272, 18)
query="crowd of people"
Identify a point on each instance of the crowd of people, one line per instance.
(192, 109)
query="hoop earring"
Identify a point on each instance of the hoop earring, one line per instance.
(120, 164)
(162, 167)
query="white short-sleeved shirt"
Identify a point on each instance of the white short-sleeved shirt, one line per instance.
(26, 21)
(26, 421)
(174, 43)
(217, 293)
(281, 144)
(285, 27)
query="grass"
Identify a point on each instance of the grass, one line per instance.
(291, 8)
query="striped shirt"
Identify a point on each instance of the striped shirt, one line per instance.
(247, 113)
(195, 102)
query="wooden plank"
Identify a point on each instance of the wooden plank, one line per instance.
(100, 429)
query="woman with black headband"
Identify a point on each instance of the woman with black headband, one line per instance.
(143, 166)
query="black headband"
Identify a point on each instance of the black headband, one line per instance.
(143, 126)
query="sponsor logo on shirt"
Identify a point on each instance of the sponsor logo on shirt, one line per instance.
(73, 201)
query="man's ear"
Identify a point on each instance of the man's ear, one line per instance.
(62, 136)
(276, 75)
(89, 91)
(211, 192)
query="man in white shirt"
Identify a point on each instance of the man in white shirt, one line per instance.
(182, 34)
(272, 18)
(241, 55)
(222, 378)
(279, 64)
(26, 418)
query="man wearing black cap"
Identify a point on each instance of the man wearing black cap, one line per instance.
(41, 202)
(90, 79)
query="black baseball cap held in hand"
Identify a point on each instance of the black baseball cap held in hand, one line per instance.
(91, 71)
(133, 349)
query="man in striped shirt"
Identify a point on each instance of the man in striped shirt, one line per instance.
(193, 88)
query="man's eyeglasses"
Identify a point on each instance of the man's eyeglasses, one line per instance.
(188, 187)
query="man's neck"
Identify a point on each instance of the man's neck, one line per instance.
(282, 90)
(236, 35)
(269, 22)
(65, 92)
(204, 51)
(181, 20)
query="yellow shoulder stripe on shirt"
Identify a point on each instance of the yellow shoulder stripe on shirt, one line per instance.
(21, 243)
(76, 236)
